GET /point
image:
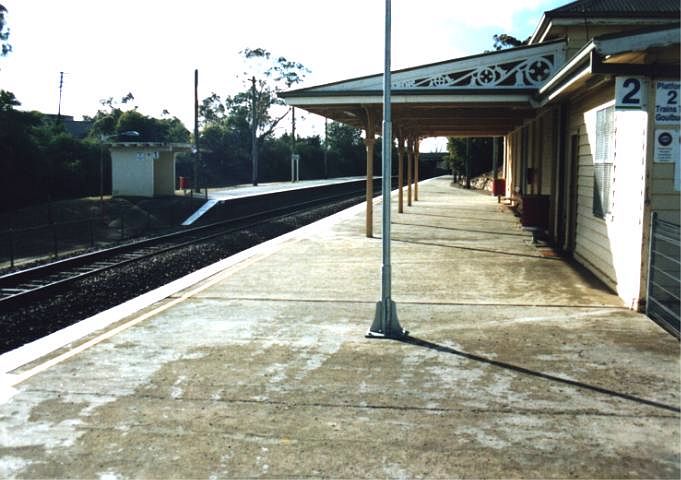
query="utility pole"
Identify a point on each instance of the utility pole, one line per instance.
(61, 85)
(197, 152)
(254, 138)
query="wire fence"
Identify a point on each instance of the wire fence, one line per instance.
(22, 245)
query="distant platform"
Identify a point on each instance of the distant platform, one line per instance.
(217, 195)
(248, 190)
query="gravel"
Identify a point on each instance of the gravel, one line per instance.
(101, 292)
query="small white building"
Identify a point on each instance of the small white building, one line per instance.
(144, 169)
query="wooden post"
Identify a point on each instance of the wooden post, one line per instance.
(370, 141)
(400, 173)
(468, 162)
(416, 169)
(410, 162)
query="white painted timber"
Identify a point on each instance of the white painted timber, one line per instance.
(200, 212)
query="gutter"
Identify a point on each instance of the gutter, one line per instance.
(560, 81)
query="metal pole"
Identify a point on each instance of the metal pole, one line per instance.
(386, 324)
(293, 145)
(254, 139)
(196, 132)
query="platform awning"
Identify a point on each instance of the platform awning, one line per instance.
(482, 95)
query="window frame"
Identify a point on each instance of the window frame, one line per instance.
(604, 162)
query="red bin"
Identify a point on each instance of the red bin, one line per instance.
(499, 187)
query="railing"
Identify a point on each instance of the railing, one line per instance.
(664, 292)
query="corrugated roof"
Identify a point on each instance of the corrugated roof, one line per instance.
(617, 8)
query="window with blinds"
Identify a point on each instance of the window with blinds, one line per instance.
(603, 161)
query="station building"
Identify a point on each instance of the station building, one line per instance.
(589, 115)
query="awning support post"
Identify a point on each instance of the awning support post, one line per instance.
(416, 169)
(370, 141)
(410, 163)
(400, 173)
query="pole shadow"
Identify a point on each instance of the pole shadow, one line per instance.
(525, 371)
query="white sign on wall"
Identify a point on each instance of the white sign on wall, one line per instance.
(667, 102)
(630, 93)
(666, 145)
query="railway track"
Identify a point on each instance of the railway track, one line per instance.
(22, 287)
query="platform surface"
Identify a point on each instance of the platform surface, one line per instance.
(519, 366)
(248, 190)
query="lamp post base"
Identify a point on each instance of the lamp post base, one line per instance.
(386, 323)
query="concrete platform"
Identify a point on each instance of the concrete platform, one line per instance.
(248, 190)
(215, 195)
(519, 366)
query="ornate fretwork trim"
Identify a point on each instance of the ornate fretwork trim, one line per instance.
(524, 73)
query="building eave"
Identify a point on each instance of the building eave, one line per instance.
(590, 59)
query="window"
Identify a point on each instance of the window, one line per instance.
(603, 161)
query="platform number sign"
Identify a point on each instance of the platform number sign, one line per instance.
(630, 93)
(667, 102)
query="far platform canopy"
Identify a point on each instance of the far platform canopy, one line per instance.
(144, 169)
(481, 95)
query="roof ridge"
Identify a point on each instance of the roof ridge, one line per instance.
(610, 7)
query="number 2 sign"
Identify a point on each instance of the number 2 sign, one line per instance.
(631, 93)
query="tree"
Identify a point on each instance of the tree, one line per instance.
(112, 120)
(456, 155)
(225, 140)
(264, 77)
(8, 101)
(503, 40)
(19, 158)
(346, 150)
(152, 129)
(5, 47)
(480, 155)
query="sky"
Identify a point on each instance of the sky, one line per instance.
(151, 47)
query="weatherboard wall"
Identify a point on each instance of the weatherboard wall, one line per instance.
(664, 196)
(612, 246)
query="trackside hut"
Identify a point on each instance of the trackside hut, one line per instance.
(580, 109)
(144, 169)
